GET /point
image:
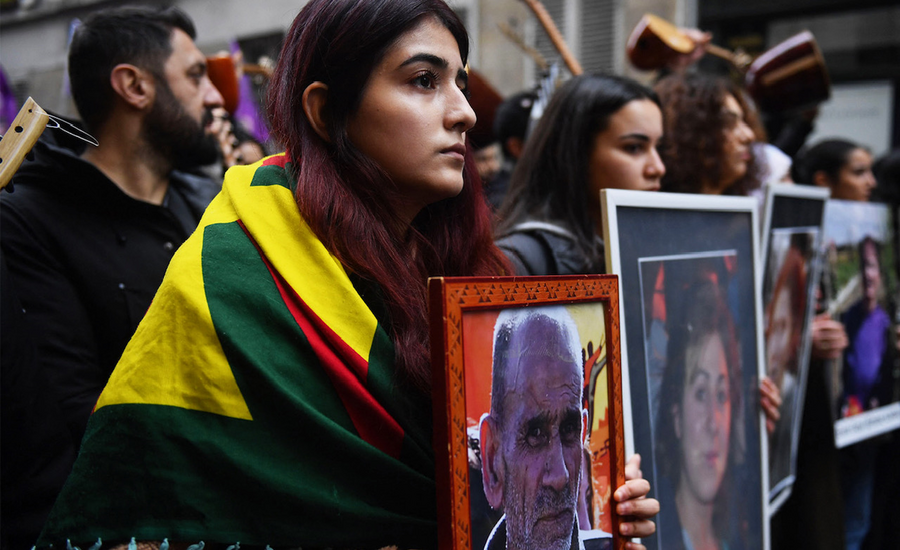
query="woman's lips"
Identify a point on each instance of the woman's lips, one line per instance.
(456, 151)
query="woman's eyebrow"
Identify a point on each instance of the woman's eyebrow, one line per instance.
(435, 60)
(697, 373)
(639, 137)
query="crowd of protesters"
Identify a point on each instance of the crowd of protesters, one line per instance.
(188, 339)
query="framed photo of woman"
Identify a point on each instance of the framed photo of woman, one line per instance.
(692, 361)
(528, 411)
(792, 236)
(860, 284)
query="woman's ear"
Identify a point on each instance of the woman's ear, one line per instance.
(315, 98)
(134, 85)
(821, 179)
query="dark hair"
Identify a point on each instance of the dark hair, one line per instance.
(345, 196)
(694, 124)
(702, 312)
(137, 35)
(550, 182)
(828, 156)
(511, 118)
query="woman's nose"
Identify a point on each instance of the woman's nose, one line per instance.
(460, 114)
(655, 167)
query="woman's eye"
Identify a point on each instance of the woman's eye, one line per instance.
(425, 80)
(700, 394)
(633, 148)
(722, 397)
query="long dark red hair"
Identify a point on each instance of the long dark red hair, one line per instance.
(345, 196)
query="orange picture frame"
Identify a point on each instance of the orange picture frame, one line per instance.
(462, 313)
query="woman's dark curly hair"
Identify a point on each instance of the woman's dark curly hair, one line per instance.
(694, 125)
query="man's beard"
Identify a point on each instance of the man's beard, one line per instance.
(520, 523)
(175, 135)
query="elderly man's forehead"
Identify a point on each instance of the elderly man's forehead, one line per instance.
(540, 336)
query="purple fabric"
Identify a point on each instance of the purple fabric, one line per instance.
(9, 107)
(868, 341)
(248, 112)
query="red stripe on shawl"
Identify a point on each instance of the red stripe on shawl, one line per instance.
(344, 366)
(276, 160)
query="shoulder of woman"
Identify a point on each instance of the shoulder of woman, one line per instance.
(540, 248)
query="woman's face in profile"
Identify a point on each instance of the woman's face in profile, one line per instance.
(855, 180)
(703, 422)
(624, 154)
(413, 116)
(736, 140)
(778, 338)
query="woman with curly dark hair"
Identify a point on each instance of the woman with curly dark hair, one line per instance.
(709, 130)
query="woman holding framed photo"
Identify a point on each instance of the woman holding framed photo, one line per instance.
(278, 390)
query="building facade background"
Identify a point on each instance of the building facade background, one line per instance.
(860, 40)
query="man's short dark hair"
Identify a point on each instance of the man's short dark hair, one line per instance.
(133, 34)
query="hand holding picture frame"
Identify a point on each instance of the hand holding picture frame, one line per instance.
(528, 411)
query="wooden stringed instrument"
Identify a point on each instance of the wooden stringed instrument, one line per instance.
(655, 42)
(222, 71)
(23, 133)
(555, 36)
(790, 75)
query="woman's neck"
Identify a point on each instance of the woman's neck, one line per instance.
(696, 519)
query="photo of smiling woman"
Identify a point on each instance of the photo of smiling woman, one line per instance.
(699, 426)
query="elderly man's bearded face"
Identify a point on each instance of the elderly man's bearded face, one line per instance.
(540, 443)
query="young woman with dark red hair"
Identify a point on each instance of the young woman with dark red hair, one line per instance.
(278, 390)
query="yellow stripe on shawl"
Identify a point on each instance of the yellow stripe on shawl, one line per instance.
(175, 357)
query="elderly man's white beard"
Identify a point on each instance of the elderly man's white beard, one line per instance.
(520, 523)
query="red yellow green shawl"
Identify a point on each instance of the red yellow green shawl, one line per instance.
(256, 402)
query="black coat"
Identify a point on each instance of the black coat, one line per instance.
(84, 260)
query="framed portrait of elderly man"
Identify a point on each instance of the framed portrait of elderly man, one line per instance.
(528, 411)
(692, 346)
(792, 236)
(860, 287)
